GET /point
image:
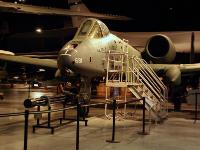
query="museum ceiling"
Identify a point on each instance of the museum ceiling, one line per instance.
(151, 15)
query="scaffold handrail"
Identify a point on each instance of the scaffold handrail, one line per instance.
(150, 81)
(157, 79)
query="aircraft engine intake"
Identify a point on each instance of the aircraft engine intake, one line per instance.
(160, 49)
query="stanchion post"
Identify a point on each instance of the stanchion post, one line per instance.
(49, 117)
(64, 110)
(196, 96)
(143, 118)
(77, 125)
(143, 121)
(113, 126)
(38, 120)
(26, 115)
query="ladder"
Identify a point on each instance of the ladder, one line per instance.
(135, 75)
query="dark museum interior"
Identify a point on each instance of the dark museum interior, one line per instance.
(99, 74)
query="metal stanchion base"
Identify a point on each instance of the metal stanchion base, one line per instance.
(62, 122)
(143, 133)
(195, 120)
(112, 141)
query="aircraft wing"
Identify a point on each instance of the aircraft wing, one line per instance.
(50, 63)
(174, 71)
(44, 55)
(39, 10)
(184, 68)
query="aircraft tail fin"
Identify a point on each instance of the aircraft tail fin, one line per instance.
(77, 6)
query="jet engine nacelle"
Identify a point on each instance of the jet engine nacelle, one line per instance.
(160, 49)
(173, 74)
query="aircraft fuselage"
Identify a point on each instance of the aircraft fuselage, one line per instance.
(87, 54)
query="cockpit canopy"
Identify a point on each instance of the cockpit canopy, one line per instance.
(92, 28)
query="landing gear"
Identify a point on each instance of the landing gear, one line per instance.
(84, 100)
(81, 87)
(85, 95)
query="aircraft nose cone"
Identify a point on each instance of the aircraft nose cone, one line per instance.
(65, 59)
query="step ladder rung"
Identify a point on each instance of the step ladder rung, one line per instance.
(116, 84)
(112, 80)
(134, 84)
(113, 71)
(116, 61)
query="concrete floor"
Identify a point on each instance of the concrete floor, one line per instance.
(178, 132)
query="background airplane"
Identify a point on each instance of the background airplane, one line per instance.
(76, 9)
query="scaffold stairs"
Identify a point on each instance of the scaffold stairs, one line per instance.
(142, 81)
(136, 75)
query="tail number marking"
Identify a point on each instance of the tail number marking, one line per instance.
(78, 60)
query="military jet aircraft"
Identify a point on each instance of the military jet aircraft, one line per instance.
(86, 54)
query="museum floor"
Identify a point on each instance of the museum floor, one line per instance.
(178, 132)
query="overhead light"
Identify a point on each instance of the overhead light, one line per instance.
(38, 30)
(15, 77)
(21, 1)
(41, 70)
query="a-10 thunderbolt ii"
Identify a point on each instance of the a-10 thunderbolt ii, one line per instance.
(86, 54)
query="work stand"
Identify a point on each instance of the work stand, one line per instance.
(49, 123)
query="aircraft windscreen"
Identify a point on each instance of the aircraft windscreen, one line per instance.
(85, 27)
(99, 30)
(104, 28)
(96, 31)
